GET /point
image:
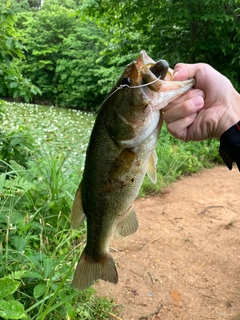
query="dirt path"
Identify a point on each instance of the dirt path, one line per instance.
(184, 261)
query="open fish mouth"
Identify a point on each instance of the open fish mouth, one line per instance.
(159, 76)
(153, 81)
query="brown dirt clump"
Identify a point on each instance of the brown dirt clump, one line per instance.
(184, 260)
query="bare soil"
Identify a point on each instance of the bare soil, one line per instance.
(184, 260)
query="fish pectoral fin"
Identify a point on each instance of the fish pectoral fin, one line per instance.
(152, 167)
(88, 271)
(127, 225)
(77, 214)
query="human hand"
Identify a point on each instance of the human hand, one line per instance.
(207, 110)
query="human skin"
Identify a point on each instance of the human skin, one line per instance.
(207, 110)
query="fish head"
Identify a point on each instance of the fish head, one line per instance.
(145, 86)
(154, 81)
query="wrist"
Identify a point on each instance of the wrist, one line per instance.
(231, 115)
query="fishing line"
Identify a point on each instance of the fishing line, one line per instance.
(122, 86)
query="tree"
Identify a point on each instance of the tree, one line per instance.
(12, 83)
(43, 36)
(76, 49)
(176, 30)
(63, 57)
(84, 77)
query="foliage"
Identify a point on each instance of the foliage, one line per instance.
(75, 50)
(9, 307)
(176, 30)
(38, 249)
(26, 5)
(63, 57)
(12, 83)
(15, 145)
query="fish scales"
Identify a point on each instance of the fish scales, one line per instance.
(120, 152)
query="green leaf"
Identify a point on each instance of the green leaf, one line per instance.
(13, 84)
(17, 275)
(49, 265)
(8, 286)
(12, 310)
(32, 274)
(10, 42)
(2, 181)
(39, 289)
(15, 141)
(19, 243)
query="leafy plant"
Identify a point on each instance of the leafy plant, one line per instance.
(9, 307)
(17, 146)
(39, 249)
(188, 31)
(65, 61)
(12, 83)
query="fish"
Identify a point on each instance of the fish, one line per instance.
(120, 152)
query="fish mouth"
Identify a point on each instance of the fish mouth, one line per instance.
(158, 75)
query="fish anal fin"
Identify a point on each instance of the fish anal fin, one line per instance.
(128, 225)
(89, 270)
(152, 167)
(77, 214)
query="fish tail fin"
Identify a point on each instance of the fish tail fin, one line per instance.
(88, 271)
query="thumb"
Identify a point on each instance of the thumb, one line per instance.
(184, 71)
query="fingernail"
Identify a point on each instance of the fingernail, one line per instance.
(175, 74)
(197, 101)
(198, 93)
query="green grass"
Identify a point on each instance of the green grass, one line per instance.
(42, 153)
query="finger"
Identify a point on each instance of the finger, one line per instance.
(184, 71)
(187, 96)
(179, 128)
(206, 77)
(183, 110)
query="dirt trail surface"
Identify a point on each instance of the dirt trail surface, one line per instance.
(184, 260)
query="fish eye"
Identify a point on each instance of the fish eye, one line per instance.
(125, 81)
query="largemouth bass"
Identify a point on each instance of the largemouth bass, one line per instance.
(119, 154)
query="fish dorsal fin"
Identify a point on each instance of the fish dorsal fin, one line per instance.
(152, 167)
(77, 214)
(127, 225)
